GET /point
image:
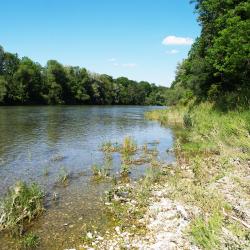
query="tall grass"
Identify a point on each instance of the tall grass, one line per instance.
(206, 144)
(129, 146)
(206, 232)
(22, 204)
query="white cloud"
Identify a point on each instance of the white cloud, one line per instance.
(115, 64)
(174, 40)
(172, 51)
(112, 60)
(129, 65)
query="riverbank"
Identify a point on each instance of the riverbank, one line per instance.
(202, 201)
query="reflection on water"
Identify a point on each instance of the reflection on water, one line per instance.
(38, 139)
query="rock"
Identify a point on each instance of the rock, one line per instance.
(89, 235)
(182, 211)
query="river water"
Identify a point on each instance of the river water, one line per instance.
(39, 143)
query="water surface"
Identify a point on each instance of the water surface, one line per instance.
(43, 139)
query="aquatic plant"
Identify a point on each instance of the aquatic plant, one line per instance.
(99, 172)
(64, 176)
(57, 157)
(22, 204)
(125, 170)
(109, 147)
(129, 146)
(108, 161)
(46, 171)
(30, 241)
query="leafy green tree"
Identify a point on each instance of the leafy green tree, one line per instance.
(27, 81)
(56, 83)
(78, 81)
(1, 59)
(217, 66)
(3, 89)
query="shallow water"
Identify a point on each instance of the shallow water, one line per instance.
(43, 139)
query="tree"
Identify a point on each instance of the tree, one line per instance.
(78, 81)
(57, 90)
(3, 89)
(27, 81)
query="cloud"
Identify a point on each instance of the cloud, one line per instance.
(115, 64)
(174, 40)
(172, 51)
(112, 60)
(129, 65)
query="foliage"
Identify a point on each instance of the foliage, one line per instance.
(217, 67)
(30, 241)
(129, 146)
(100, 172)
(206, 233)
(22, 204)
(23, 81)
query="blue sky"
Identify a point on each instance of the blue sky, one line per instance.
(139, 39)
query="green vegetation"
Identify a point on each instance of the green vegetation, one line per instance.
(30, 241)
(22, 204)
(23, 81)
(64, 176)
(99, 172)
(129, 146)
(206, 234)
(217, 67)
(207, 143)
(109, 147)
(125, 170)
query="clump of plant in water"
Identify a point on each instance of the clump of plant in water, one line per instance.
(108, 161)
(129, 146)
(22, 204)
(125, 170)
(109, 147)
(99, 172)
(64, 176)
(30, 241)
(57, 157)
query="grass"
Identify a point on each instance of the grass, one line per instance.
(206, 142)
(206, 232)
(46, 171)
(30, 241)
(123, 197)
(22, 204)
(125, 170)
(129, 146)
(109, 147)
(171, 116)
(99, 172)
(64, 176)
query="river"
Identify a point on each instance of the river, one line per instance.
(38, 143)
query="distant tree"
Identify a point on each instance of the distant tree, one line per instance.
(3, 89)
(79, 82)
(57, 90)
(27, 81)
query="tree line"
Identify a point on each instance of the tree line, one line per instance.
(218, 64)
(23, 81)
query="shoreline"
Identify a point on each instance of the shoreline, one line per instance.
(201, 202)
